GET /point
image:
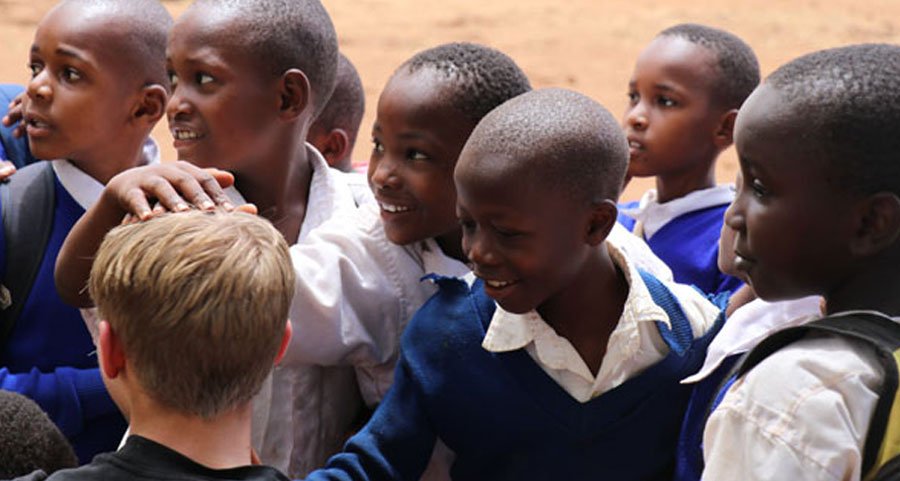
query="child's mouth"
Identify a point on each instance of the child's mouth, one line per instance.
(394, 209)
(183, 134)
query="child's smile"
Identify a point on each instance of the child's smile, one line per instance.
(417, 138)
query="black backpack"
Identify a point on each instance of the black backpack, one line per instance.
(28, 200)
(880, 455)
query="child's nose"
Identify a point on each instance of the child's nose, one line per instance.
(478, 249)
(636, 118)
(39, 87)
(177, 105)
(384, 174)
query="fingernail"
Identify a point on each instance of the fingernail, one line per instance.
(6, 170)
(228, 205)
(207, 205)
(181, 207)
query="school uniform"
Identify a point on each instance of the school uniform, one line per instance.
(299, 395)
(685, 233)
(513, 400)
(49, 355)
(746, 327)
(801, 414)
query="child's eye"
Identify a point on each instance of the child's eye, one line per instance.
(759, 190)
(173, 79)
(633, 98)
(416, 155)
(377, 146)
(35, 69)
(664, 101)
(203, 78)
(71, 75)
(508, 233)
(468, 225)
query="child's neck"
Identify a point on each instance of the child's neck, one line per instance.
(678, 185)
(280, 190)
(219, 443)
(870, 287)
(587, 311)
(103, 166)
(451, 245)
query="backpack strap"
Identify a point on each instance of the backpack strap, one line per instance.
(28, 199)
(883, 334)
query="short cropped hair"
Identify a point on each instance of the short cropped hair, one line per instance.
(848, 101)
(29, 440)
(347, 104)
(554, 137)
(138, 31)
(481, 78)
(199, 302)
(736, 64)
(285, 34)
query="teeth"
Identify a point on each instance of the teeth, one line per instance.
(634, 144)
(497, 284)
(185, 135)
(37, 123)
(394, 208)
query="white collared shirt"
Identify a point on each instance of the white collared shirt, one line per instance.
(634, 345)
(801, 414)
(753, 322)
(651, 216)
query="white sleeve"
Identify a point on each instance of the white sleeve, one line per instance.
(801, 414)
(639, 252)
(348, 305)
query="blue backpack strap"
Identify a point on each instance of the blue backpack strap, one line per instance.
(679, 336)
(28, 199)
(16, 149)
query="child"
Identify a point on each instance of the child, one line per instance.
(249, 76)
(537, 181)
(334, 131)
(14, 151)
(185, 371)
(29, 440)
(817, 214)
(98, 87)
(753, 321)
(683, 96)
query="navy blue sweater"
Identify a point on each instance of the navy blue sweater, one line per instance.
(505, 418)
(49, 355)
(689, 245)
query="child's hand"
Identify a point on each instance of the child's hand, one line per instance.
(176, 186)
(6, 169)
(14, 114)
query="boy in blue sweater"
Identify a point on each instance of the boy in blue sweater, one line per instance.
(683, 97)
(98, 87)
(576, 371)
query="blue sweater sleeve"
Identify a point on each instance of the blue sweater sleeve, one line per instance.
(71, 397)
(396, 444)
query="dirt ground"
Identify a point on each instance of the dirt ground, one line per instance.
(586, 45)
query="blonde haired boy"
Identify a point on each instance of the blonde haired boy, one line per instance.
(194, 315)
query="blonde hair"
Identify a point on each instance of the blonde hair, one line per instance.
(199, 302)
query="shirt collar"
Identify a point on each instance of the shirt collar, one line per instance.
(508, 331)
(86, 189)
(327, 194)
(434, 261)
(654, 215)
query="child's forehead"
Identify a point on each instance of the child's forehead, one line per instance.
(95, 35)
(688, 62)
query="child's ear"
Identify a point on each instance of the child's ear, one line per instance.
(724, 135)
(152, 104)
(336, 146)
(109, 351)
(285, 342)
(602, 219)
(295, 93)
(879, 224)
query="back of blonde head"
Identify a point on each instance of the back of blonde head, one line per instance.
(199, 302)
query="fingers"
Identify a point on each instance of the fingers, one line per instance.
(14, 110)
(6, 169)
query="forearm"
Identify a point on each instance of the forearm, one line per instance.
(73, 266)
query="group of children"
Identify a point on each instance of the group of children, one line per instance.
(478, 306)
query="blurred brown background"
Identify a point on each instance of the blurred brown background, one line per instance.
(586, 45)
